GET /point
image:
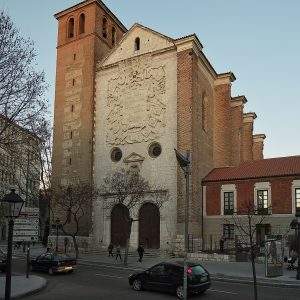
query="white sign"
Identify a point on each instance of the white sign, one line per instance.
(27, 225)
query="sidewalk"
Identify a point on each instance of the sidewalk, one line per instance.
(22, 286)
(223, 271)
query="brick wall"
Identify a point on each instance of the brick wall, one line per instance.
(247, 136)
(258, 146)
(74, 94)
(222, 126)
(281, 194)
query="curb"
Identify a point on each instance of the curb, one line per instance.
(248, 280)
(29, 293)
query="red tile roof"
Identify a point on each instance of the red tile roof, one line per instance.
(272, 167)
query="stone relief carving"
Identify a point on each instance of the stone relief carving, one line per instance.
(136, 103)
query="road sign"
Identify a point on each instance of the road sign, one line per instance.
(27, 225)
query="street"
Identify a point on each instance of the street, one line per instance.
(110, 282)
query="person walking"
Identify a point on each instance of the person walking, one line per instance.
(110, 250)
(140, 251)
(118, 252)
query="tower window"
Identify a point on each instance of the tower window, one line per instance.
(71, 134)
(113, 36)
(104, 28)
(74, 56)
(137, 43)
(72, 108)
(73, 81)
(81, 23)
(71, 28)
(70, 161)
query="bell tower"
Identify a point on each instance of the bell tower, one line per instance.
(86, 33)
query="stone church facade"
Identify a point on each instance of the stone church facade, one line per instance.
(129, 97)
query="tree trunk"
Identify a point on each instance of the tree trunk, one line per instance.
(75, 246)
(252, 256)
(127, 243)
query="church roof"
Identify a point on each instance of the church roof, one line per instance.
(263, 168)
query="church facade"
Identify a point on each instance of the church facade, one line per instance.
(127, 98)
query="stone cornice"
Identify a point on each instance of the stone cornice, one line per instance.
(259, 137)
(249, 117)
(225, 78)
(192, 42)
(238, 101)
(87, 2)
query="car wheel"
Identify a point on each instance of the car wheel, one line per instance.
(50, 271)
(137, 285)
(179, 292)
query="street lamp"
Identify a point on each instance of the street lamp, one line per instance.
(185, 165)
(12, 204)
(295, 224)
(57, 223)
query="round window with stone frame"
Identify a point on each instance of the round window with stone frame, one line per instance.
(116, 154)
(154, 150)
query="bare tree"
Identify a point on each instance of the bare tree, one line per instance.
(21, 86)
(246, 221)
(70, 204)
(129, 188)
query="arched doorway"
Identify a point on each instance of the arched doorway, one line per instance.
(119, 225)
(149, 226)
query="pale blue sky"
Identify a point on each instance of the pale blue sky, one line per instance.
(257, 40)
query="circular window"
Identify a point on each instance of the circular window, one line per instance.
(155, 150)
(116, 154)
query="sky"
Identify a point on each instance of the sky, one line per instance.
(257, 40)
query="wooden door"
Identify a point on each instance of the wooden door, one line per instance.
(119, 225)
(149, 226)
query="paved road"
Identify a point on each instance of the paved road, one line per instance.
(110, 283)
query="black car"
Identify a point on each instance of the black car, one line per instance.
(53, 263)
(168, 277)
(3, 262)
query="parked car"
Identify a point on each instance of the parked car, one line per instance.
(168, 277)
(53, 263)
(3, 261)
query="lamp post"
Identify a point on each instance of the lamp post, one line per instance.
(57, 222)
(295, 224)
(12, 204)
(185, 165)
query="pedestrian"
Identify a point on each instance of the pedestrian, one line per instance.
(118, 252)
(222, 241)
(140, 251)
(110, 250)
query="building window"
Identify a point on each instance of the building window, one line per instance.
(74, 56)
(70, 161)
(116, 154)
(297, 199)
(113, 36)
(262, 202)
(71, 134)
(154, 150)
(72, 108)
(81, 23)
(71, 28)
(73, 82)
(228, 231)
(228, 203)
(137, 44)
(104, 28)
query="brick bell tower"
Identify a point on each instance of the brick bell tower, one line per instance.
(86, 33)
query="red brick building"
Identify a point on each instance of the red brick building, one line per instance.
(272, 185)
